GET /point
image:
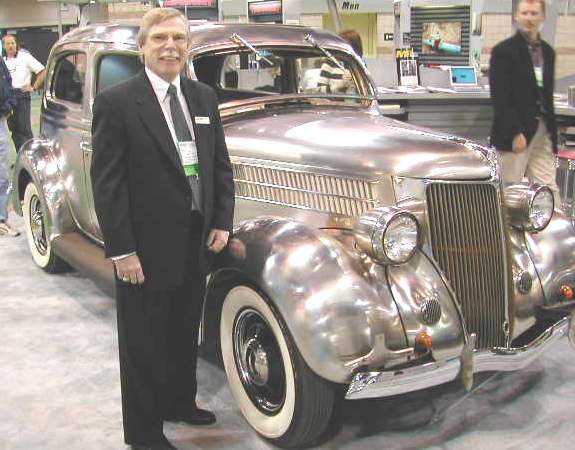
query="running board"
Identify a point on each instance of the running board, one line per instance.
(88, 258)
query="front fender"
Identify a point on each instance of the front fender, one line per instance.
(553, 253)
(37, 162)
(333, 313)
(523, 304)
(415, 284)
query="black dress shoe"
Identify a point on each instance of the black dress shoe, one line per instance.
(162, 444)
(194, 417)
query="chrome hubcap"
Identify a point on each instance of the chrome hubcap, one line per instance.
(37, 225)
(259, 362)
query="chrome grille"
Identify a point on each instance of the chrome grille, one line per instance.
(467, 244)
(337, 195)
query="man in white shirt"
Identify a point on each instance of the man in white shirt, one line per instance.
(22, 65)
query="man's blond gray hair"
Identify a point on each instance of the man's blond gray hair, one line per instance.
(541, 2)
(158, 15)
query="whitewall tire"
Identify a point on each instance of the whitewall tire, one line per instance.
(280, 397)
(35, 216)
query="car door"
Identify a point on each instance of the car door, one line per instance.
(65, 123)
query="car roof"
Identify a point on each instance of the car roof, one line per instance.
(210, 35)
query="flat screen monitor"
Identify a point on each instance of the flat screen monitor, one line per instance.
(463, 76)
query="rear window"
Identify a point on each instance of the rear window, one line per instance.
(114, 68)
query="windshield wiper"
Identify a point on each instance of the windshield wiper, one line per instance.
(236, 38)
(309, 38)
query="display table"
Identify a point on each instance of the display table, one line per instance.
(467, 114)
(565, 177)
(565, 112)
(463, 114)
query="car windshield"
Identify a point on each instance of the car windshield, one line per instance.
(306, 72)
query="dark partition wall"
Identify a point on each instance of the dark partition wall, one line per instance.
(38, 41)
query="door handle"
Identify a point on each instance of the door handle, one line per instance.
(85, 146)
(86, 143)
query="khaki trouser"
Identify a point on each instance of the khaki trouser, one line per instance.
(536, 163)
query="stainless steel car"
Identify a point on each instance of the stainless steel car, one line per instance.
(367, 253)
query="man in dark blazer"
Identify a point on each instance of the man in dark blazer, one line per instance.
(164, 196)
(522, 82)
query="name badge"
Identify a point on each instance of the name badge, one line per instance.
(202, 120)
(539, 76)
(189, 157)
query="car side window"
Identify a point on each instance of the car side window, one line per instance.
(70, 77)
(113, 68)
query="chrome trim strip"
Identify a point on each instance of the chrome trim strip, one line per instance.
(388, 383)
(507, 266)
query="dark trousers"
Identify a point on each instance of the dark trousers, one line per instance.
(19, 121)
(158, 342)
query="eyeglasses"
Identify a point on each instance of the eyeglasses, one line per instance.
(160, 38)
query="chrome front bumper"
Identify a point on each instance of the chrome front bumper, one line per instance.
(388, 383)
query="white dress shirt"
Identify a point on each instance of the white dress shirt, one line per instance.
(160, 87)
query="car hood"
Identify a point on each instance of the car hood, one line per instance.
(354, 143)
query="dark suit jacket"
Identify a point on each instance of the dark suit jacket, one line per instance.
(142, 197)
(7, 100)
(515, 94)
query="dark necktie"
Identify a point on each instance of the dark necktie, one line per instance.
(178, 119)
(183, 134)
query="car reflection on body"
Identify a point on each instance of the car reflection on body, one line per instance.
(366, 252)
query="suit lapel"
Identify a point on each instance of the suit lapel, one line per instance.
(526, 58)
(547, 78)
(153, 118)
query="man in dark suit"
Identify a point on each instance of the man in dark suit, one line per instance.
(164, 196)
(522, 81)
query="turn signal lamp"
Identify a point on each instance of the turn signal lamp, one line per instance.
(423, 342)
(566, 292)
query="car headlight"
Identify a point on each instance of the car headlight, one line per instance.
(388, 235)
(530, 206)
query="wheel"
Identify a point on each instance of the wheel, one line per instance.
(38, 242)
(280, 397)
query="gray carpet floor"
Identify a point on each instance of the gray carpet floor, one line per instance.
(59, 385)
